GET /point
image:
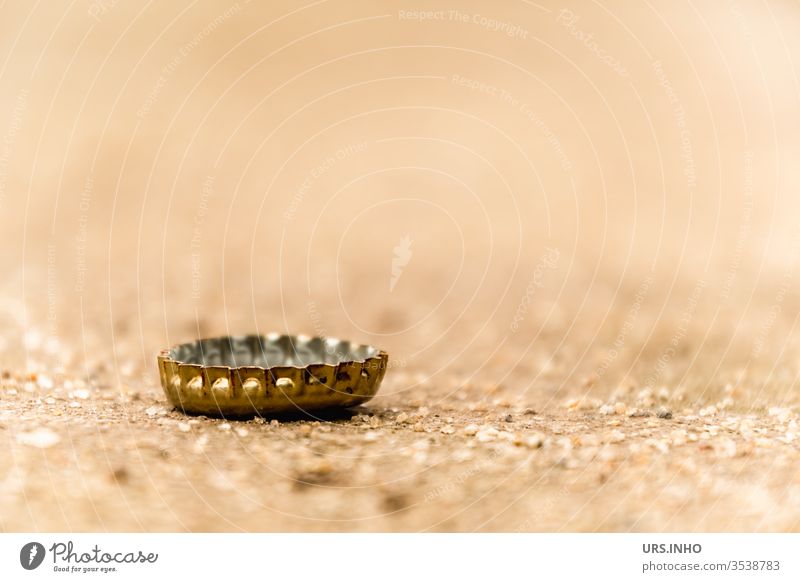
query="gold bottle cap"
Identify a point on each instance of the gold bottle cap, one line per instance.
(259, 375)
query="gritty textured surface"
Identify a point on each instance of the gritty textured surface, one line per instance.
(574, 230)
(82, 459)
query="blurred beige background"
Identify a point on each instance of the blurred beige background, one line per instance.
(592, 195)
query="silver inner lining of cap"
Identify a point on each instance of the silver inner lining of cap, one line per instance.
(268, 351)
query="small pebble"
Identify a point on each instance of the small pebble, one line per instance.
(506, 436)
(41, 438)
(120, 475)
(471, 430)
(617, 436)
(639, 413)
(535, 441)
(664, 412)
(200, 444)
(725, 447)
(487, 434)
(782, 414)
(678, 437)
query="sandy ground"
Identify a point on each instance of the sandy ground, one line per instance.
(572, 228)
